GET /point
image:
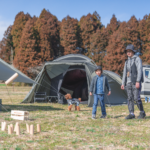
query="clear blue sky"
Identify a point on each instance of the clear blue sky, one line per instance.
(123, 9)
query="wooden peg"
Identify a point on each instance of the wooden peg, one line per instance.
(28, 128)
(12, 127)
(38, 128)
(31, 129)
(16, 126)
(17, 129)
(13, 77)
(4, 126)
(9, 129)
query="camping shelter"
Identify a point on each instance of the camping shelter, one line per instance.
(73, 73)
(6, 71)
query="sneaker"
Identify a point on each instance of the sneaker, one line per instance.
(93, 117)
(103, 116)
(130, 116)
(142, 115)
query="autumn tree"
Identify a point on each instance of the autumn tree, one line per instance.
(6, 45)
(144, 29)
(113, 25)
(126, 34)
(100, 39)
(99, 42)
(88, 26)
(53, 29)
(132, 35)
(16, 32)
(68, 35)
(37, 40)
(115, 58)
(28, 56)
(47, 26)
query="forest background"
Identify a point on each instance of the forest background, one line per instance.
(32, 41)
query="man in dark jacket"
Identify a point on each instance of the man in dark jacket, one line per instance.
(132, 78)
(97, 87)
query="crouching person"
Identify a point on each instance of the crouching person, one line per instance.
(97, 88)
(132, 78)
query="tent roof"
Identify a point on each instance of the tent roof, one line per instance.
(74, 58)
(7, 71)
(113, 75)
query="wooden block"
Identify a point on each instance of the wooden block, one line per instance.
(4, 126)
(19, 115)
(12, 127)
(9, 129)
(38, 128)
(13, 77)
(31, 129)
(28, 128)
(18, 130)
(16, 126)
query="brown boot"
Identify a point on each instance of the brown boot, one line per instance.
(75, 107)
(78, 108)
(69, 107)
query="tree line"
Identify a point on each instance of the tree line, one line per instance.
(30, 41)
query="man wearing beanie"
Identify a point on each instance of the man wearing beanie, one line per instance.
(97, 88)
(132, 78)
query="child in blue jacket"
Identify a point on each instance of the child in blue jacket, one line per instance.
(97, 88)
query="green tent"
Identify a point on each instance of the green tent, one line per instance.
(73, 74)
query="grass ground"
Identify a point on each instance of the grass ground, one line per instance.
(72, 130)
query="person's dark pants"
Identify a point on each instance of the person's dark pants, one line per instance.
(102, 103)
(134, 95)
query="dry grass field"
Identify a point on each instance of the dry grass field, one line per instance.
(63, 130)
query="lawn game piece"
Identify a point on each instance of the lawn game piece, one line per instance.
(38, 128)
(17, 129)
(11, 78)
(9, 129)
(19, 115)
(28, 128)
(16, 126)
(31, 129)
(4, 126)
(12, 127)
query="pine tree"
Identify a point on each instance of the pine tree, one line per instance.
(6, 45)
(99, 42)
(115, 58)
(16, 32)
(27, 55)
(47, 26)
(88, 26)
(113, 26)
(132, 33)
(126, 34)
(144, 29)
(68, 35)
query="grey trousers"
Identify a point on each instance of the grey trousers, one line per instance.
(134, 95)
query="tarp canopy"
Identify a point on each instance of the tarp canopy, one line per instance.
(73, 73)
(6, 71)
